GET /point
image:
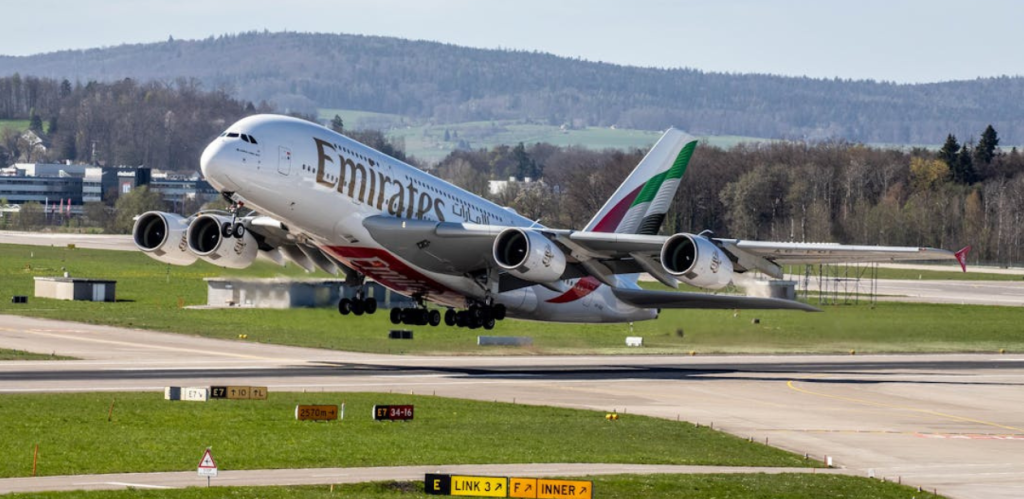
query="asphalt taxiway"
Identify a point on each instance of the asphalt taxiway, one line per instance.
(947, 422)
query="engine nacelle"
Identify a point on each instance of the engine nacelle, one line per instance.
(696, 261)
(162, 236)
(529, 255)
(206, 239)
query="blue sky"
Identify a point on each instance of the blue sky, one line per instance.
(895, 40)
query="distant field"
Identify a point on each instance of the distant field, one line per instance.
(16, 125)
(426, 141)
(149, 294)
(754, 486)
(147, 433)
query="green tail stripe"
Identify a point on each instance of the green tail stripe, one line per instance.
(652, 186)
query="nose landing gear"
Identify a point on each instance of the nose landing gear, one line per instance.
(357, 306)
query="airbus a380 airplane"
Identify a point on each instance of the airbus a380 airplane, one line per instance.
(326, 201)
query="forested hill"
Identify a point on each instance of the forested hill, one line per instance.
(446, 83)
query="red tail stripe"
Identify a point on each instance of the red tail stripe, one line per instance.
(614, 217)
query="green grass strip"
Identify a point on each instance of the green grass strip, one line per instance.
(148, 434)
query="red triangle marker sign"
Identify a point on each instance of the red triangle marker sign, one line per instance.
(207, 461)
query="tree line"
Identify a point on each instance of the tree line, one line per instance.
(786, 191)
(442, 83)
(160, 125)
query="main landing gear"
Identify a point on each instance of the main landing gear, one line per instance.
(476, 316)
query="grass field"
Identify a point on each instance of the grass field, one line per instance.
(6, 354)
(16, 125)
(784, 486)
(148, 433)
(149, 295)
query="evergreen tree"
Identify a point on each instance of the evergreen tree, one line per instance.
(447, 136)
(963, 173)
(948, 153)
(35, 123)
(51, 127)
(986, 149)
(337, 124)
(65, 89)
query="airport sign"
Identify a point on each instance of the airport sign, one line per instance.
(490, 486)
(316, 412)
(525, 488)
(564, 489)
(238, 392)
(207, 467)
(392, 412)
(479, 486)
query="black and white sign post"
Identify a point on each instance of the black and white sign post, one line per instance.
(207, 467)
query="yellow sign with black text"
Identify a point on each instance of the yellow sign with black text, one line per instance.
(479, 486)
(523, 488)
(564, 489)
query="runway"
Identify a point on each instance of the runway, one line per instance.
(946, 422)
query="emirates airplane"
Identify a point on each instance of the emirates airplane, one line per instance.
(322, 200)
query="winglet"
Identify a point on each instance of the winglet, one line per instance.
(961, 256)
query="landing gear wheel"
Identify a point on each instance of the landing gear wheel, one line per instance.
(477, 314)
(370, 305)
(434, 318)
(499, 312)
(449, 317)
(461, 319)
(396, 316)
(238, 231)
(344, 306)
(226, 231)
(489, 324)
(357, 307)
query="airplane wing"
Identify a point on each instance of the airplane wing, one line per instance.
(278, 244)
(465, 249)
(643, 298)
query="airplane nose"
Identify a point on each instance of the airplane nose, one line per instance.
(215, 164)
(208, 162)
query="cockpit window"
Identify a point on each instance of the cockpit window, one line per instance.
(252, 139)
(245, 137)
(232, 135)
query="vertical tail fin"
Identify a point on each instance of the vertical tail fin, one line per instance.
(640, 203)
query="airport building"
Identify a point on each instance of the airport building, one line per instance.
(288, 293)
(57, 184)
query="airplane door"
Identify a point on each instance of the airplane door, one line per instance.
(284, 160)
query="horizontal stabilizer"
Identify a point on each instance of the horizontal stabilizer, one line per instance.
(671, 299)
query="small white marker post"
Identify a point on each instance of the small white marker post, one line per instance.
(207, 467)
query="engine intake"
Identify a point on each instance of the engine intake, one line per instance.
(529, 255)
(696, 261)
(162, 236)
(206, 239)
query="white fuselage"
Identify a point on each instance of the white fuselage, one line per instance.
(322, 185)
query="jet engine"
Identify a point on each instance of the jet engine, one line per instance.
(206, 238)
(162, 236)
(529, 255)
(696, 260)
